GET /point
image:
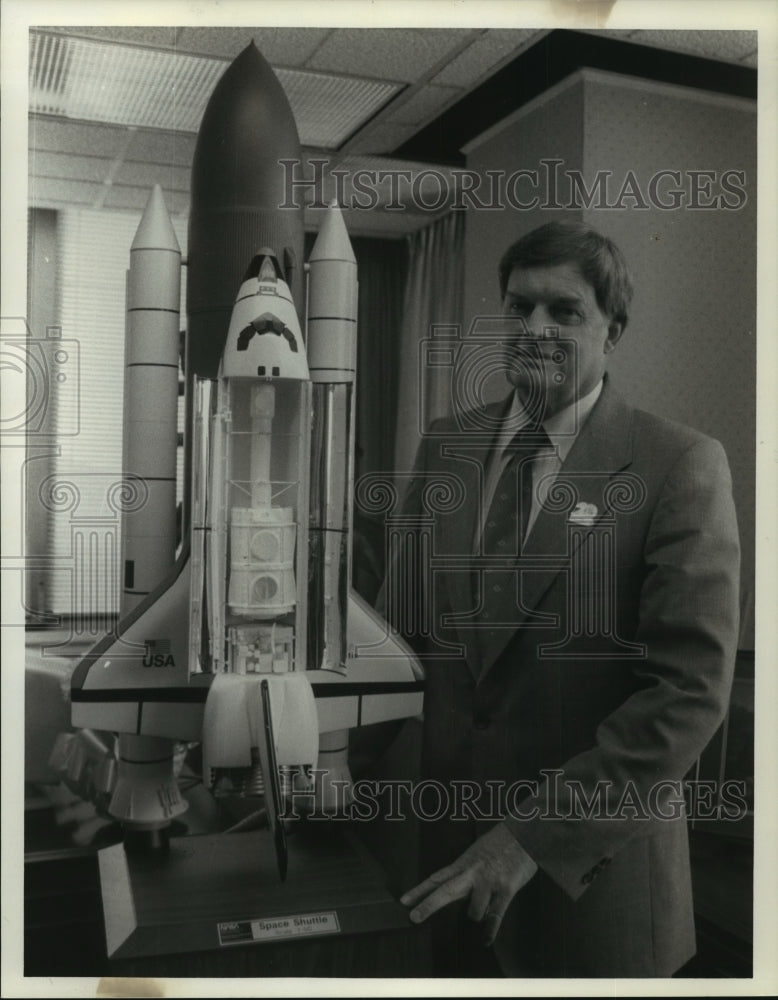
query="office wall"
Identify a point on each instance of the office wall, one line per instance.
(550, 128)
(689, 352)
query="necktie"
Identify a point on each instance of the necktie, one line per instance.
(508, 517)
(506, 528)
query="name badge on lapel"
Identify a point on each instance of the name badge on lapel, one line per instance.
(584, 514)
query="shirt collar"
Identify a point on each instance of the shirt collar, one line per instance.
(562, 428)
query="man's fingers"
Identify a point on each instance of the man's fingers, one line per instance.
(427, 886)
(491, 927)
(490, 872)
(492, 921)
(479, 902)
(455, 888)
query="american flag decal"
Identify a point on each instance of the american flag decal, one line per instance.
(158, 653)
(161, 646)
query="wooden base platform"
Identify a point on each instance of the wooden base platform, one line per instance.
(222, 892)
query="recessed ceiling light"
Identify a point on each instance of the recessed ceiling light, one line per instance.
(93, 80)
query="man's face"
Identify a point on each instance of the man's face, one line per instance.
(556, 297)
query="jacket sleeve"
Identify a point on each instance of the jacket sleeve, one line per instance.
(688, 621)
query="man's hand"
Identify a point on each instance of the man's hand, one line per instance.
(490, 872)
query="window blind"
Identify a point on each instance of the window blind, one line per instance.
(81, 497)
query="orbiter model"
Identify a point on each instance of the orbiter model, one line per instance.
(249, 641)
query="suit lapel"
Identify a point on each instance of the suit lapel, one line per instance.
(602, 448)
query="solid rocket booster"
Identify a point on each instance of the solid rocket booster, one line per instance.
(332, 328)
(332, 303)
(145, 792)
(151, 400)
(239, 202)
(332, 346)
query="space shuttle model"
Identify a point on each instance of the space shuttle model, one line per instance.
(249, 641)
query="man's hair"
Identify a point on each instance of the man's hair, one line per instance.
(599, 260)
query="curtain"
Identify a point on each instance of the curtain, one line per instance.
(433, 303)
(383, 269)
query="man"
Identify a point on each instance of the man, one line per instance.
(583, 660)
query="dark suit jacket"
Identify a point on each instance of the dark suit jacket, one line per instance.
(612, 666)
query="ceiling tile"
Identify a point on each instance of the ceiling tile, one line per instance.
(120, 197)
(174, 148)
(382, 138)
(58, 135)
(146, 175)
(328, 109)
(68, 166)
(280, 46)
(423, 105)
(726, 45)
(485, 55)
(50, 191)
(160, 37)
(388, 53)
(92, 80)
